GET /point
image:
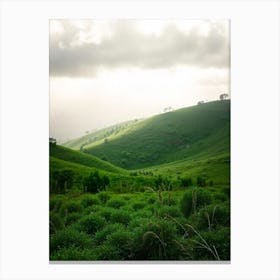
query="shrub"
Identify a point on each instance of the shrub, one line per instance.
(102, 235)
(220, 196)
(213, 216)
(169, 201)
(55, 203)
(226, 191)
(91, 223)
(71, 207)
(90, 200)
(120, 217)
(120, 241)
(201, 181)
(138, 205)
(220, 239)
(115, 203)
(154, 241)
(72, 253)
(194, 199)
(106, 252)
(72, 218)
(56, 222)
(106, 213)
(152, 200)
(143, 213)
(69, 237)
(104, 197)
(172, 211)
(186, 182)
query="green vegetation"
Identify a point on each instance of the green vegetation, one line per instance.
(163, 192)
(196, 132)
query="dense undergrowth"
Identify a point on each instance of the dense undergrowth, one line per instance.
(191, 224)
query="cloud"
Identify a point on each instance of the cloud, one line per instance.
(82, 50)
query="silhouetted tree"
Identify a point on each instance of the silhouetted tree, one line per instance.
(223, 96)
(52, 141)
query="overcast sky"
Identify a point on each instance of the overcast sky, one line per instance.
(105, 72)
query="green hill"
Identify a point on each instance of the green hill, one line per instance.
(99, 135)
(76, 157)
(196, 132)
(81, 165)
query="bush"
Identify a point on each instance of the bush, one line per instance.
(56, 222)
(72, 218)
(91, 223)
(120, 217)
(138, 205)
(92, 209)
(152, 200)
(69, 237)
(115, 203)
(106, 213)
(72, 253)
(194, 199)
(220, 197)
(71, 207)
(120, 241)
(172, 211)
(104, 197)
(55, 203)
(103, 234)
(106, 252)
(219, 238)
(213, 216)
(155, 241)
(90, 200)
(186, 182)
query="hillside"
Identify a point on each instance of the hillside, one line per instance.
(76, 157)
(99, 135)
(195, 132)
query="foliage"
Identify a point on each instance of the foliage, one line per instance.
(61, 180)
(69, 237)
(91, 223)
(89, 200)
(194, 199)
(115, 203)
(95, 183)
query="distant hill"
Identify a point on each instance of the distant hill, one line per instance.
(191, 133)
(98, 135)
(75, 157)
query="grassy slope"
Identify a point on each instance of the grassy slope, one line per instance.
(98, 135)
(76, 157)
(82, 165)
(195, 132)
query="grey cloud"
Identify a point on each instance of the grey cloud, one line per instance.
(128, 47)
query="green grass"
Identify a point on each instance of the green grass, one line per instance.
(148, 232)
(72, 156)
(169, 192)
(99, 135)
(197, 131)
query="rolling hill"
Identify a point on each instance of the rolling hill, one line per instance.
(192, 133)
(76, 157)
(95, 136)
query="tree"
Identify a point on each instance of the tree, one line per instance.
(95, 183)
(167, 109)
(61, 180)
(52, 141)
(223, 96)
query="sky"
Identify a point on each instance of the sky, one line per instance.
(103, 72)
